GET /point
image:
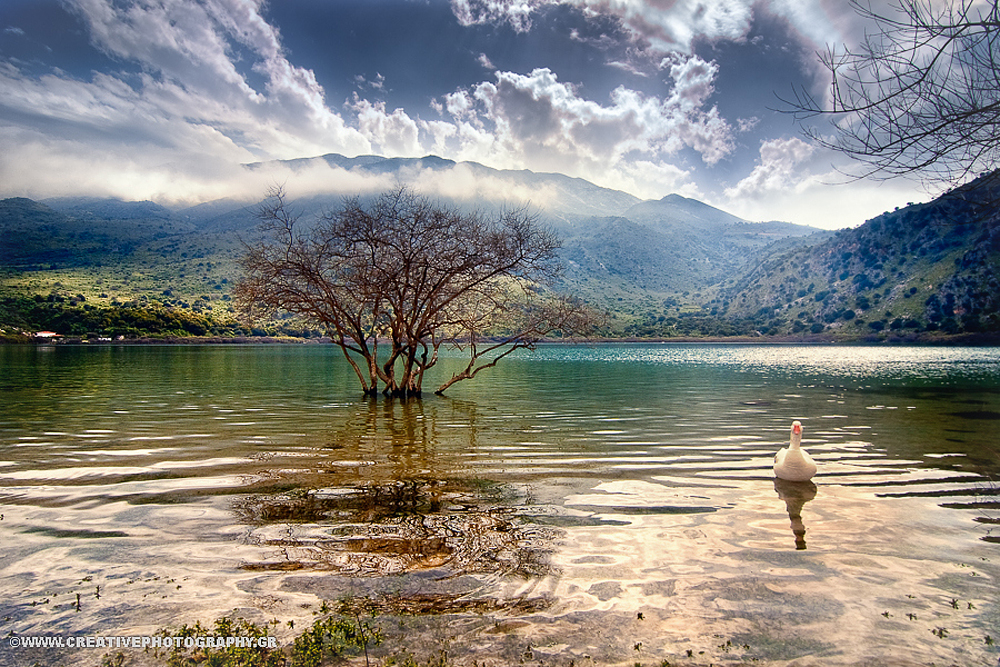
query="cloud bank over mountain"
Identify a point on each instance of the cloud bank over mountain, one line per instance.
(166, 99)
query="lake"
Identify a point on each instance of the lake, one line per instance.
(588, 504)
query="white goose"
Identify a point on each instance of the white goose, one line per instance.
(793, 463)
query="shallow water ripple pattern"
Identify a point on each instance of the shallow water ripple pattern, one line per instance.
(164, 482)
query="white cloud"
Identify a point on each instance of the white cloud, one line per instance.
(486, 62)
(549, 124)
(188, 51)
(652, 180)
(826, 201)
(672, 26)
(391, 134)
(459, 104)
(190, 105)
(515, 12)
(778, 169)
(378, 83)
(666, 26)
(793, 181)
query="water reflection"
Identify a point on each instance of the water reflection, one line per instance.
(401, 439)
(388, 492)
(455, 527)
(592, 483)
(795, 495)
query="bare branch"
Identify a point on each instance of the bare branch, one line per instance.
(920, 96)
(409, 273)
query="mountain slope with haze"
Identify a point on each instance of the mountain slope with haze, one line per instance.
(667, 267)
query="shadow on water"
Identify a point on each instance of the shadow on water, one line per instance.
(795, 495)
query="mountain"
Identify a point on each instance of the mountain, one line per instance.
(667, 267)
(560, 196)
(931, 267)
(615, 246)
(95, 208)
(674, 209)
(63, 233)
(673, 245)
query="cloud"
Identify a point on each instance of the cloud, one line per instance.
(652, 179)
(213, 87)
(666, 26)
(378, 83)
(548, 122)
(198, 60)
(391, 134)
(485, 61)
(200, 86)
(778, 169)
(517, 13)
(673, 26)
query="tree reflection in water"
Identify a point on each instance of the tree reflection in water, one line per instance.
(389, 493)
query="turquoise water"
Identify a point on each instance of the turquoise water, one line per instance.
(599, 483)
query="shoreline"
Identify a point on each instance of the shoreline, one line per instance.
(961, 340)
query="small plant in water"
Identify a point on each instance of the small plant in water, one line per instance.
(334, 637)
(229, 656)
(407, 660)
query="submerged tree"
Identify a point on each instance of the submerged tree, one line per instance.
(395, 280)
(920, 95)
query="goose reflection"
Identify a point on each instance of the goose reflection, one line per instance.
(795, 495)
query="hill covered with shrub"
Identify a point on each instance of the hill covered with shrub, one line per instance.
(667, 268)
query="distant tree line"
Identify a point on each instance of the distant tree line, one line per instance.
(73, 318)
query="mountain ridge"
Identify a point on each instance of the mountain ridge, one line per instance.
(662, 268)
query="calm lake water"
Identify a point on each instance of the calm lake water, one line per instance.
(578, 504)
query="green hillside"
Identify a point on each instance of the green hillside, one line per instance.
(926, 269)
(111, 268)
(666, 268)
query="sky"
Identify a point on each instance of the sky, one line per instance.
(165, 99)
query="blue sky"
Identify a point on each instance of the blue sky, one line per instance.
(164, 99)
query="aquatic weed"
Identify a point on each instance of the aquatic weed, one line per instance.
(333, 637)
(229, 656)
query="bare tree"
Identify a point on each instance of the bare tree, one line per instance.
(919, 96)
(394, 280)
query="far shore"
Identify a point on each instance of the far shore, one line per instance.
(965, 339)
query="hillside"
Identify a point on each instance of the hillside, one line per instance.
(662, 268)
(932, 267)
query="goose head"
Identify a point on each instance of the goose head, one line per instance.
(796, 437)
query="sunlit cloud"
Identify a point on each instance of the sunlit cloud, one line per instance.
(669, 26)
(547, 124)
(197, 88)
(194, 76)
(779, 169)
